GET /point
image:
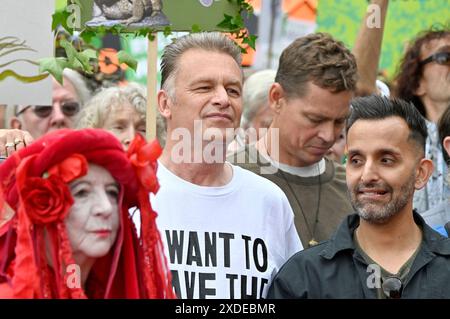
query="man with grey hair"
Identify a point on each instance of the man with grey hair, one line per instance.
(226, 231)
(67, 100)
(32, 121)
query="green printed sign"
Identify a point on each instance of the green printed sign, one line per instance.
(405, 19)
(178, 15)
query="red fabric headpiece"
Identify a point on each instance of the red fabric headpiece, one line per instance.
(34, 183)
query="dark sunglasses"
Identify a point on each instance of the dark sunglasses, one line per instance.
(43, 111)
(392, 287)
(442, 58)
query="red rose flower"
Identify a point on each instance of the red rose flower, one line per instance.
(46, 200)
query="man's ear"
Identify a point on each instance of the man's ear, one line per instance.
(164, 104)
(446, 144)
(423, 173)
(276, 95)
(14, 122)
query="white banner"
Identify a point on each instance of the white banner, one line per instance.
(25, 37)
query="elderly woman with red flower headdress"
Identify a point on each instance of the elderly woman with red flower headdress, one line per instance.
(71, 235)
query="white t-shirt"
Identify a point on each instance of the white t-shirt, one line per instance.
(224, 242)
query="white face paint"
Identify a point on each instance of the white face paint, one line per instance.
(93, 220)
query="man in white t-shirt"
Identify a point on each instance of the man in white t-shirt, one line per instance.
(227, 231)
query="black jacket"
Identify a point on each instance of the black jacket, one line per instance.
(333, 269)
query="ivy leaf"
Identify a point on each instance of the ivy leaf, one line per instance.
(100, 31)
(54, 66)
(127, 59)
(61, 18)
(237, 22)
(90, 54)
(70, 50)
(56, 19)
(117, 29)
(167, 31)
(195, 28)
(226, 22)
(243, 5)
(144, 32)
(75, 64)
(87, 35)
(84, 60)
(64, 19)
(75, 58)
(250, 40)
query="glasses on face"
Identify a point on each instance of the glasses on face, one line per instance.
(43, 111)
(392, 287)
(442, 58)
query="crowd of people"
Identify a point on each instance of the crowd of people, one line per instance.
(340, 190)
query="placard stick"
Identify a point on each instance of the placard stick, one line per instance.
(152, 60)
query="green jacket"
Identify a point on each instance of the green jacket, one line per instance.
(334, 269)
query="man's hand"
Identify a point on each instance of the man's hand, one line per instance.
(12, 140)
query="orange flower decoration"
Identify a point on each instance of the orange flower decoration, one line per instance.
(109, 62)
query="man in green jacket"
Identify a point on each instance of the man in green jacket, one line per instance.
(385, 250)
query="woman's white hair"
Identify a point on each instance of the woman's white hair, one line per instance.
(256, 94)
(97, 109)
(79, 84)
